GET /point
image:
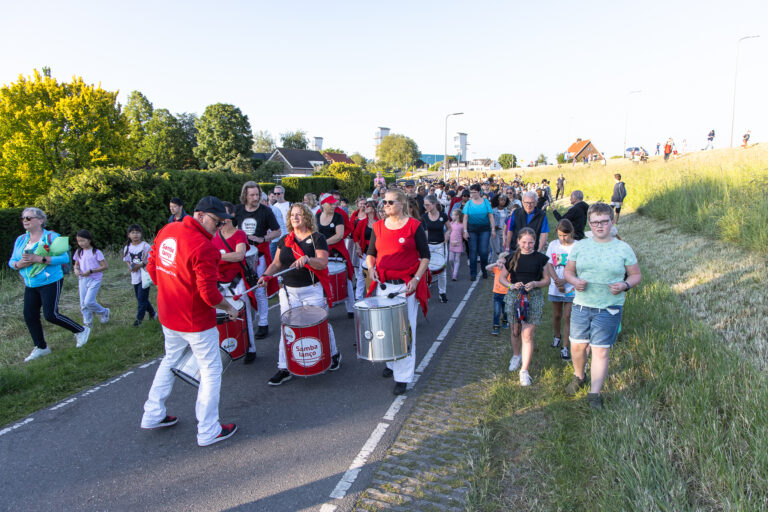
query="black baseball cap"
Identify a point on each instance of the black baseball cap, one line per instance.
(211, 204)
(410, 183)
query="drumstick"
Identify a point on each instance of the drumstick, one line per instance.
(237, 297)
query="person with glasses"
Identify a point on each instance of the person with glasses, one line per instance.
(362, 237)
(527, 216)
(43, 288)
(478, 226)
(184, 265)
(602, 269)
(398, 257)
(280, 208)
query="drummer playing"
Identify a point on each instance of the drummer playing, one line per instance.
(331, 224)
(305, 250)
(398, 256)
(438, 227)
(362, 236)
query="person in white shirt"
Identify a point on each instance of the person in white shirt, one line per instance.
(280, 209)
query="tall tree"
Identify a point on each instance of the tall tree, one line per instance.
(507, 160)
(48, 129)
(138, 112)
(294, 140)
(542, 159)
(165, 144)
(397, 151)
(358, 159)
(263, 142)
(223, 134)
(187, 122)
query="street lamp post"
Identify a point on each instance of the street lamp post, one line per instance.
(626, 123)
(445, 149)
(735, 76)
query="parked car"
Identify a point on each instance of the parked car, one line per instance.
(628, 151)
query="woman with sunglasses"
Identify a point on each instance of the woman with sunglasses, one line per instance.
(331, 224)
(478, 226)
(398, 258)
(42, 289)
(362, 236)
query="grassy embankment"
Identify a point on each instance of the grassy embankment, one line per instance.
(685, 426)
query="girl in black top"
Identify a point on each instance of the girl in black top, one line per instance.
(524, 274)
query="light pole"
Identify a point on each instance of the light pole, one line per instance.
(735, 76)
(626, 123)
(445, 149)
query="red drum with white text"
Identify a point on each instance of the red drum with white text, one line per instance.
(233, 334)
(306, 341)
(337, 274)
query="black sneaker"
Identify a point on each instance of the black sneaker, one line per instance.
(227, 431)
(168, 421)
(136, 323)
(261, 332)
(495, 330)
(399, 388)
(335, 362)
(250, 357)
(350, 315)
(574, 386)
(387, 373)
(152, 316)
(280, 377)
(443, 298)
(555, 342)
(485, 274)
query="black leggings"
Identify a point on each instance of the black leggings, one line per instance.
(47, 297)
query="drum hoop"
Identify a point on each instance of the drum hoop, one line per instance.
(305, 326)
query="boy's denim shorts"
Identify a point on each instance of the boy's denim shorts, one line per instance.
(596, 326)
(560, 298)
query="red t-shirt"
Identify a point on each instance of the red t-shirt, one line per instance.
(229, 269)
(396, 248)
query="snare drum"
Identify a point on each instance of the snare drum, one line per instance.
(221, 315)
(382, 329)
(306, 340)
(233, 334)
(337, 271)
(437, 258)
(188, 370)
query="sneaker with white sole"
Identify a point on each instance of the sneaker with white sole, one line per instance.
(280, 377)
(525, 378)
(565, 355)
(555, 342)
(37, 352)
(227, 431)
(514, 363)
(105, 317)
(81, 338)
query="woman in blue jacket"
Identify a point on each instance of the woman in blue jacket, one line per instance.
(44, 288)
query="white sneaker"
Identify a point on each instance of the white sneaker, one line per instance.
(514, 363)
(105, 317)
(525, 379)
(37, 352)
(82, 337)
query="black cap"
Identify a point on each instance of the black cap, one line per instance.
(210, 204)
(410, 183)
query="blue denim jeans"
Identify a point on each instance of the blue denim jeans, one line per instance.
(498, 309)
(479, 242)
(142, 297)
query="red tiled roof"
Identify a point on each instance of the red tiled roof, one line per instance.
(577, 146)
(338, 157)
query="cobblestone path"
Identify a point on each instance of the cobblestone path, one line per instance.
(427, 468)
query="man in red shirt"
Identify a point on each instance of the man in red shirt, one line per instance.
(183, 264)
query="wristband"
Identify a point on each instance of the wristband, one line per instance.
(417, 278)
(628, 287)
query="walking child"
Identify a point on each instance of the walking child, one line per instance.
(89, 267)
(456, 242)
(499, 292)
(561, 293)
(135, 254)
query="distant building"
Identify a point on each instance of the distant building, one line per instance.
(460, 144)
(337, 158)
(381, 132)
(317, 145)
(583, 148)
(431, 159)
(298, 162)
(483, 164)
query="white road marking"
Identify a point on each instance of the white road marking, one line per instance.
(446, 329)
(63, 404)
(458, 309)
(428, 357)
(328, 508)
(397, 403)
(354, 469)
(14, 427)
(146, 365)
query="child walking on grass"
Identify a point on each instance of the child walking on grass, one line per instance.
(499, 292)
(89, 267)
(456, 243)
(135, 254)
(561, 293)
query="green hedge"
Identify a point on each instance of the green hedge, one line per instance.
(297, 186)
(10, 218)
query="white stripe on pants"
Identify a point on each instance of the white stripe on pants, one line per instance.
(88, 289)
(291, 297)
(205, 347)
(403, 369)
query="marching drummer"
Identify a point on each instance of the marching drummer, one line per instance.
(256, 220)
(362, 236)
(331, 224)
(232, 243)
(306, 251)
(438, 226)
(398, 257)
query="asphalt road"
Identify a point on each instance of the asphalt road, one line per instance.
(294, 443)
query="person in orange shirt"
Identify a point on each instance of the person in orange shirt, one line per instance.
(499, 291)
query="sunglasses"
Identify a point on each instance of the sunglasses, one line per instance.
(388, 202)
(28, 218)
(219, 223)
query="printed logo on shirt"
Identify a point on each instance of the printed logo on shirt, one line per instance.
(332, 225)
(402, 240)
(249, 226)
(168, 252)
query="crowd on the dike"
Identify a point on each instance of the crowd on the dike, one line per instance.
(406, 235)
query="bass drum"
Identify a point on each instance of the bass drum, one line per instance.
(437, 258)
(337, 275)
(382, 329)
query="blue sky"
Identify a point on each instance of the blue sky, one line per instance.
(529, 76)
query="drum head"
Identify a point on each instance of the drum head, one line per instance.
(379, 302)
(252, 251)
(304, 316)
(237, 304)
(336, 267)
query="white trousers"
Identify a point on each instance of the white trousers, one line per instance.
(291, 297)
(261, 298)
(205, 347)
(403, 369)
(360, 281)
(442, 277)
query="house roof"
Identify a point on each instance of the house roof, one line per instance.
(577, 146)
(299, 158)
(337, 158)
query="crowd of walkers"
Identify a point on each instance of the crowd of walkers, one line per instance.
(405, 235)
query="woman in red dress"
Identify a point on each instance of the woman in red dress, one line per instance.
(398, 255)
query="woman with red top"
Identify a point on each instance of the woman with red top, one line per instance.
(306, 251)
(331, 224)
(232, 244)
(398, 255)
(361, 236)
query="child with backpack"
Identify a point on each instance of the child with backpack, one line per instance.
(135, 254)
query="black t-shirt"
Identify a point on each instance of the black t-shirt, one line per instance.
(300, 277)
(435, 228)
(329, 230)
(530, 267)
(265, 219)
